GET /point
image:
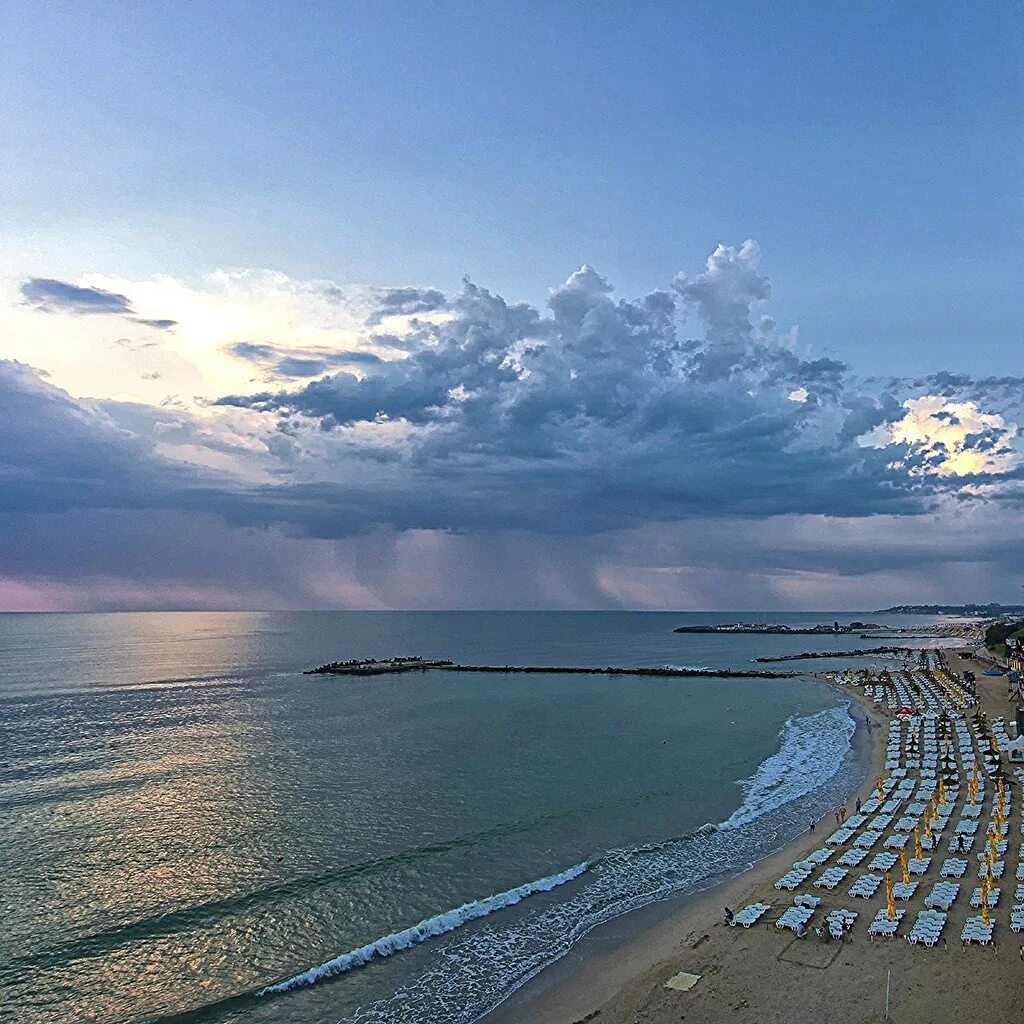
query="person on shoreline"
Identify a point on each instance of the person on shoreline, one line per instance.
(728, 916)
(858, 805)
(811, 829)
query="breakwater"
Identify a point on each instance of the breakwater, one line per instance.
(862, 653)
(390, 666)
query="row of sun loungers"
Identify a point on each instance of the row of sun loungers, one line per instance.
(919, 750)
(750, 914)
(882, 926)
(831, 877)
(943, 895)
(928, 927)
(794, 917)
(975, 930)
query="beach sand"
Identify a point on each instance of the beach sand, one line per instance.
(617, 974)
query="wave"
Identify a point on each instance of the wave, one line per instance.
(801, 764)
(426, 929)
(479, 968)
(477, 972)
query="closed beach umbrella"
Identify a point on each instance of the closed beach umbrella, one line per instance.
(881, 788)
(918, 852)
(903, 866)
(890, 902)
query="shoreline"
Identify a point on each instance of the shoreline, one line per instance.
(618, 960)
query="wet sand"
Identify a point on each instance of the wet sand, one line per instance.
(617, 975)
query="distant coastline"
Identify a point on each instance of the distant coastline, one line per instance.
(974, 611)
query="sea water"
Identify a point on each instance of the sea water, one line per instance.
(194, 829)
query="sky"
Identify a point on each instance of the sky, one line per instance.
(510, 306)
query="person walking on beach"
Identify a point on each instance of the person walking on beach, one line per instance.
(811, 829)
(858, 805)
(728, 916)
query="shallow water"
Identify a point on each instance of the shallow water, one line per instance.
(188, 819)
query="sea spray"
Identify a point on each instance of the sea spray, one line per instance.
(429, 928)
(477, 972)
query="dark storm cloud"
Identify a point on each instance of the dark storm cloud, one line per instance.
(57, 453)
(52, 296)
(598, 414)
(407, 302)
(283, 361)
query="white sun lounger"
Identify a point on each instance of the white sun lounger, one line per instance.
(852, 857)
(993, 897)
(794, 917)
(838, 920)
(841, 836)
(866, 886)
(831, 877)
(998, 868)
(953, 867)
(882, 861)
(867, 839)
(750, 914)
(882, 926)
(904, 890)
(943, 895)
(975, 930)
(927, 928)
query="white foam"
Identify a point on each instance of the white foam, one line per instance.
(478, 971)
(811, 753)
(426, 929)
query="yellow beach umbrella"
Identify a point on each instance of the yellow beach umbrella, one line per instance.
(890, 902)
(903, 867)
(918, 852)
(942, 792)
(992, 848)
(881, 788)
(927, 828)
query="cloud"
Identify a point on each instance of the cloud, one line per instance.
(52, 296)
(669, 436)
(275, 361)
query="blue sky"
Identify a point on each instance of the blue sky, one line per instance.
(235, 236)
(873, 150)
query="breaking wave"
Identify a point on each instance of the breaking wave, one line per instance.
(432, 926)
(479, 969)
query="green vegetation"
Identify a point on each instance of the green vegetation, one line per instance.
(998, 633)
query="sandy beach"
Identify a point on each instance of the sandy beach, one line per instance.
(618, 974)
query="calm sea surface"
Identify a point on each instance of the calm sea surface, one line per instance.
(188, 820)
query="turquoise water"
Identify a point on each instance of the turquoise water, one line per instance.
(188, 820)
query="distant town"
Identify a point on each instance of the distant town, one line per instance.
(981, 611)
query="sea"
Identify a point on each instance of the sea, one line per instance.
(191, 829)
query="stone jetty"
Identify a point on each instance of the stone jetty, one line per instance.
(390, 666)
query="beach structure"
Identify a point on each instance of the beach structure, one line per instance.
(944, 786)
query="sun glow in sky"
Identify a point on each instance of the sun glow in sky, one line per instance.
(674, 307)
